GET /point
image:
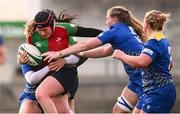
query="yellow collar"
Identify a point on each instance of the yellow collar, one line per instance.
(157, 35)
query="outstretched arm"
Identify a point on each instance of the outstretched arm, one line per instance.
(80, 46)
(98, 52)
(33, 77)
(143, 60)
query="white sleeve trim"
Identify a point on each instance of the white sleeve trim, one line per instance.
(149, 51)
(35, 77)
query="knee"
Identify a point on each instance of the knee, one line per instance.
(40, 95)
(122, 106)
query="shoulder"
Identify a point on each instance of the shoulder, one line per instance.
(66, 25)
(107, 32)
(60, 28)
(35, 34)
(155, 39)
(33, 37)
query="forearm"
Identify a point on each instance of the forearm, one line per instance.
(133, 61)
(81, 46)
(35, 77)
(97, 53)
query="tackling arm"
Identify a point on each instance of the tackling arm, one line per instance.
(33, 77)
(143, 60)
(98, 52)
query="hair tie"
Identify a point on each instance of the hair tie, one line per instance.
(158, 16)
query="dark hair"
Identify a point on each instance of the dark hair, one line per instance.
(125, 16)
(64, 17)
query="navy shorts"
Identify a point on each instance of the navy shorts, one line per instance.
(68, 78)
(160, 100)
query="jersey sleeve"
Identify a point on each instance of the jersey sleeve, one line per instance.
(72, 40)
(71, 28)
(106, 36)
(26, 68)
(151, 48)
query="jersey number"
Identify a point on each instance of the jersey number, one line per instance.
(135, 34)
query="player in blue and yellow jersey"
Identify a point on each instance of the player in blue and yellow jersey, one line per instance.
(159, 94)
(48, 36)
(124, 32)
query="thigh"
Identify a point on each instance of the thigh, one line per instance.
(67, 77)
(50, 86)
(29, 106)
(130, 95)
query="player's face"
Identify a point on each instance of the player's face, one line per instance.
(45, 32)
(110, 20)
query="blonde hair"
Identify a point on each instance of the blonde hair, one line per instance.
(29, 28)
(125, 16)
(156, 19)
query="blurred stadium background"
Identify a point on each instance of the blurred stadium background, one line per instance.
(101, 80)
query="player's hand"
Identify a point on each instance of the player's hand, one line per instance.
(50, 56)
(22, 58)
(117, 54)
(57, 65)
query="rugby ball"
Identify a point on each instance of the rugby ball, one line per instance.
(33, 53)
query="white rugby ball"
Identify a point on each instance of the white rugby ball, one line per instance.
(33, 53)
